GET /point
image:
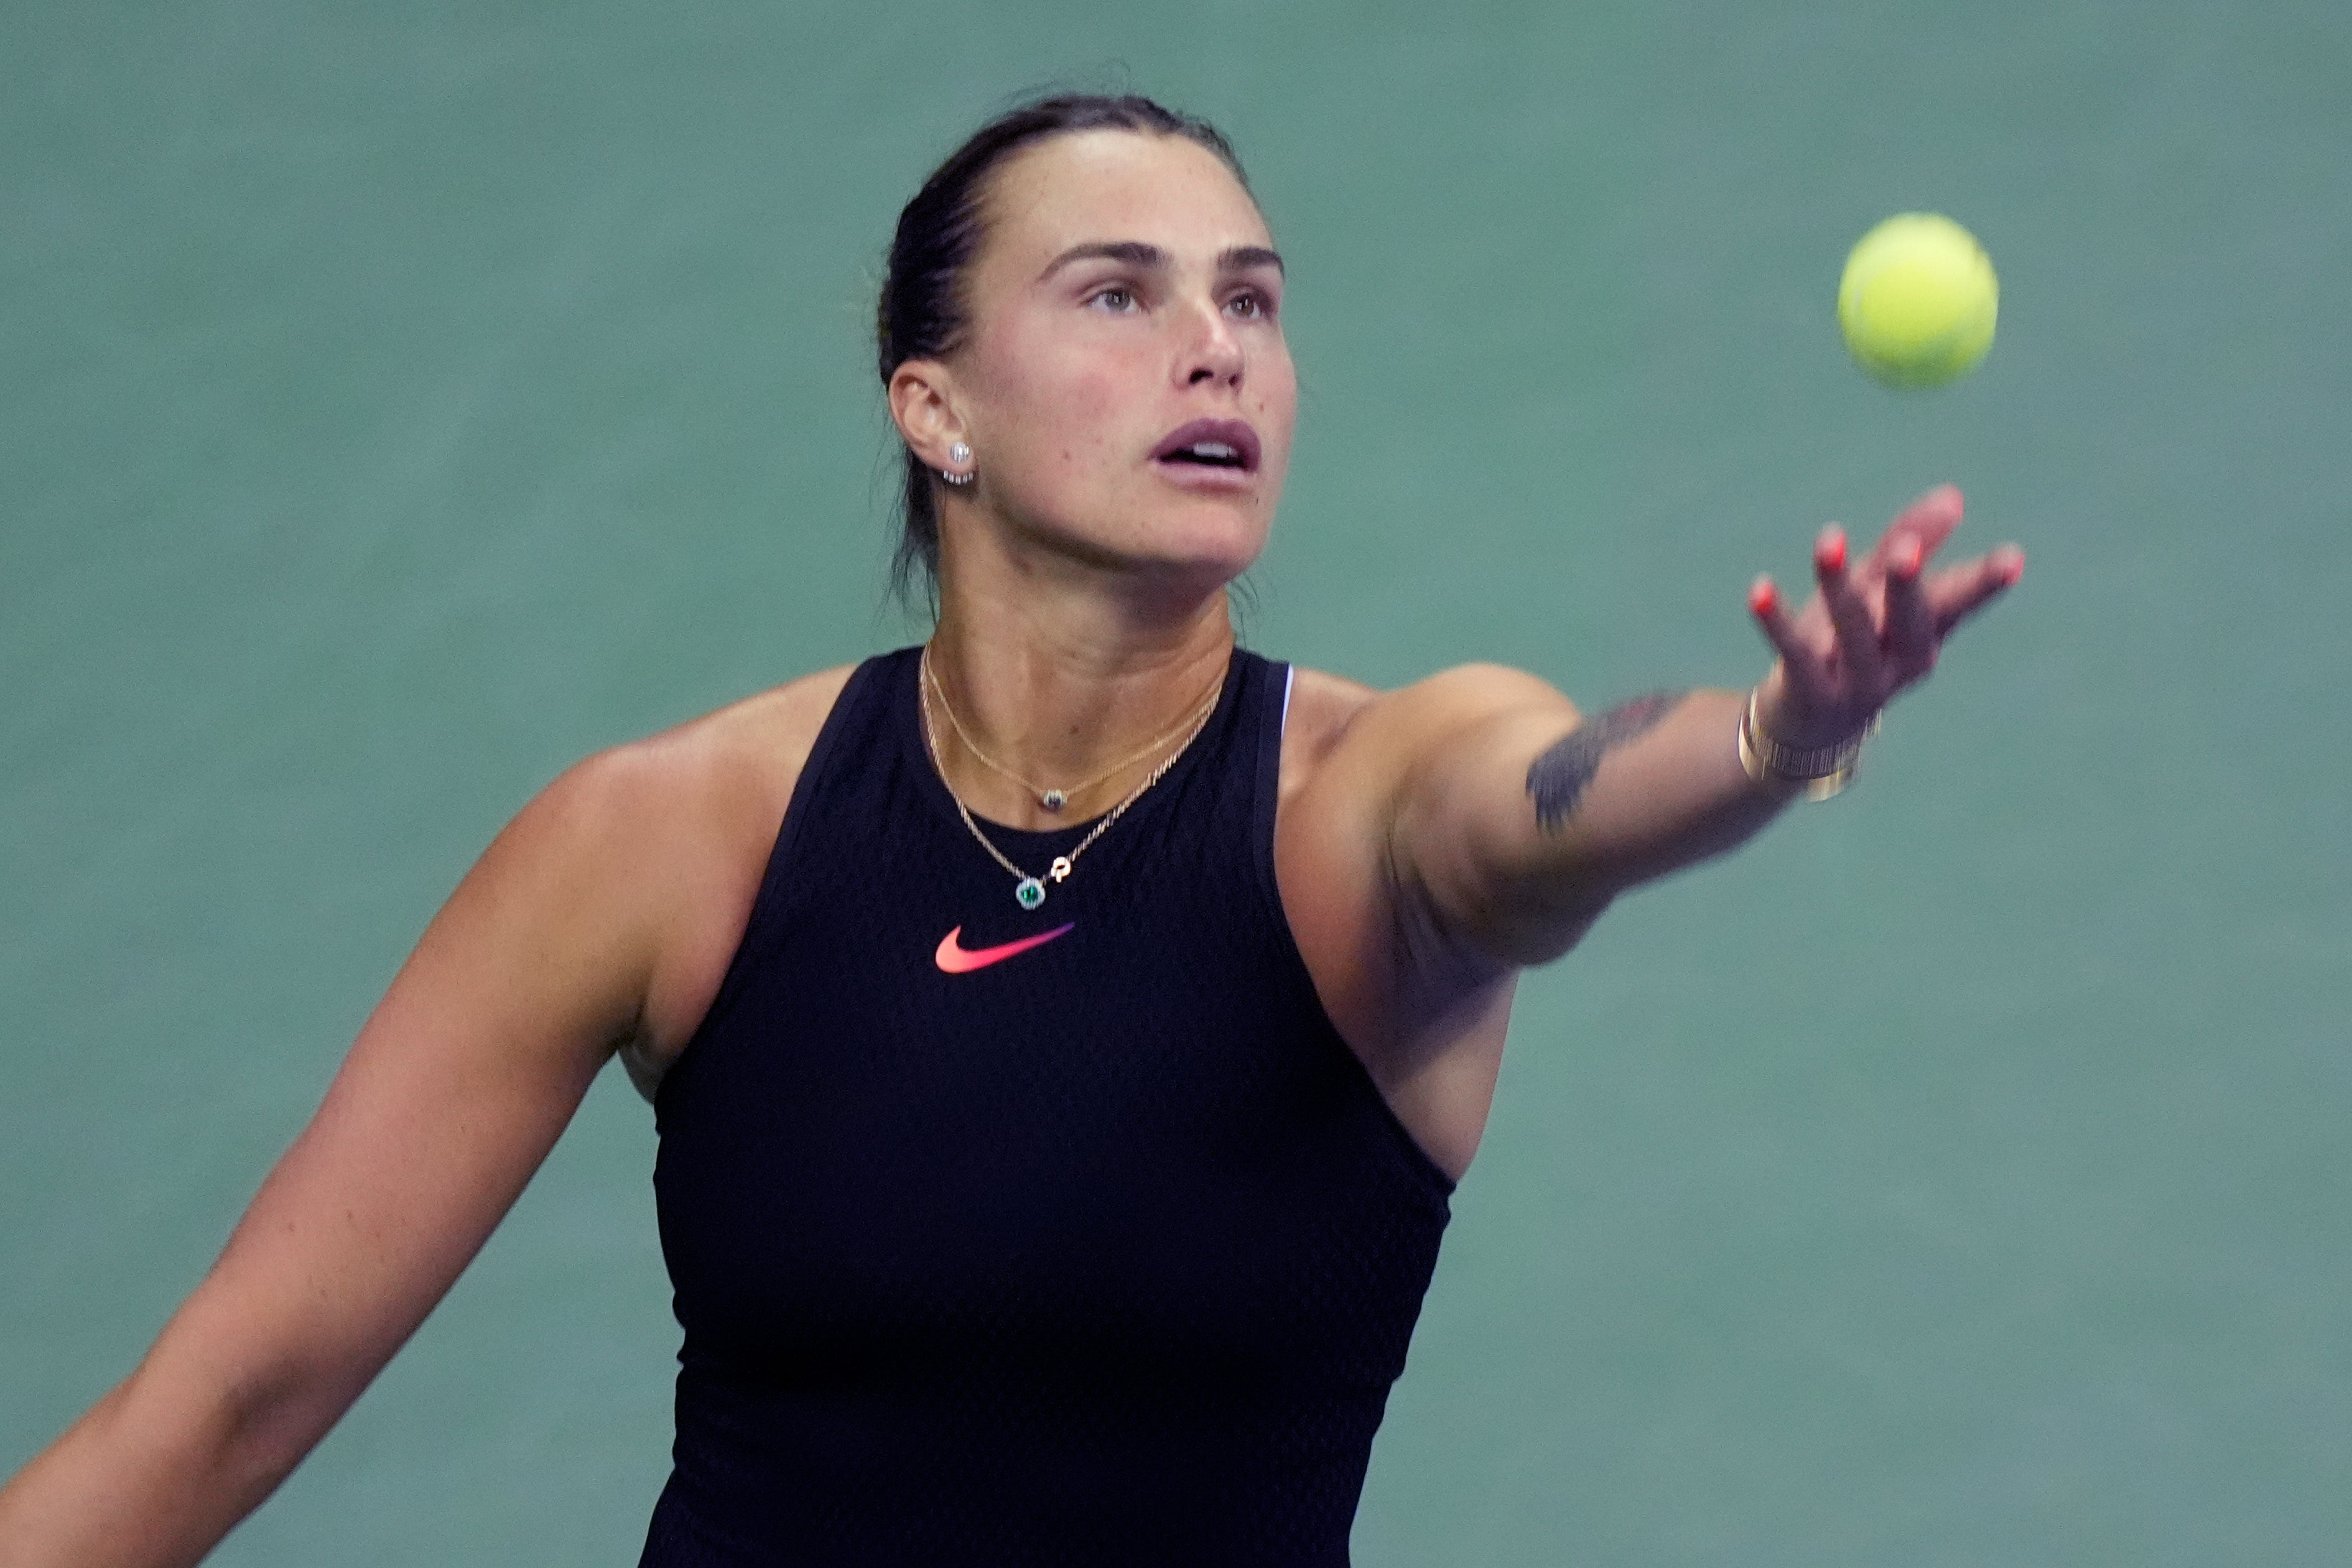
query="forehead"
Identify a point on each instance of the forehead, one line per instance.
(1112, 185)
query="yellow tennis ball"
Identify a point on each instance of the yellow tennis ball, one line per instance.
(1917, 300)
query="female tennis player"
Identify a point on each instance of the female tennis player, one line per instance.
(1064, 1036)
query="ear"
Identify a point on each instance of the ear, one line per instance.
(922, 405)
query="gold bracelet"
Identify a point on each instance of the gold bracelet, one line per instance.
(1816, 772)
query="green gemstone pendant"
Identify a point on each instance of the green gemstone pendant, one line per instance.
(1029, 891)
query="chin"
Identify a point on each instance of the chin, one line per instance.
(1213, 544)
(1210, 539)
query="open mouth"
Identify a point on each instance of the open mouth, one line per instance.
(1228, 444)
(1209, 454)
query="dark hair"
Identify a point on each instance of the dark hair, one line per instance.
(922, 315)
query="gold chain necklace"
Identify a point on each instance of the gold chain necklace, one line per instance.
(1054, 799)
(1028, 891)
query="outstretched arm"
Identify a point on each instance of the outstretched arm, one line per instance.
(1517, 821)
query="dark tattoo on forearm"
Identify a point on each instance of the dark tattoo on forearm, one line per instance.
(1557, 778)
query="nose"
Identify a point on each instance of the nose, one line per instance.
(1212, 352)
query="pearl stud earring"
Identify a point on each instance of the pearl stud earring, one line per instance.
(959, 454)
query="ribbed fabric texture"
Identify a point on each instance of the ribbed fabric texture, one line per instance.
(1104, 1253)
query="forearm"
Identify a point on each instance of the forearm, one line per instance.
(1525, 829)
(1516, 824)
(154, 1475)
(1645, 789)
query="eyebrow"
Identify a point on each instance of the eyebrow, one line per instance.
(1135, 253)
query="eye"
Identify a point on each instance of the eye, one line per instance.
(1118, 298)
(1249, 305)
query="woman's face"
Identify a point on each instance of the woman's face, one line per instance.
(1124, 386)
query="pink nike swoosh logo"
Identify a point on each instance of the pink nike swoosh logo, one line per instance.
(957, 960)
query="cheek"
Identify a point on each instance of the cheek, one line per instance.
(1071, 427)
(1274, 408)
(1061, 405)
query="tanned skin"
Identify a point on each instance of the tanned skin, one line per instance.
(1557, 778)
(1429, 842)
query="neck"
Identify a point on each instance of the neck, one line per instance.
(1058, 675)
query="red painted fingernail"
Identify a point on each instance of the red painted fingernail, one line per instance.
(1763, 597)
(2015, 571)
(1833, 551)
(1906, 558)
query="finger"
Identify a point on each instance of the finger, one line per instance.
(1857, 630)
(1954, 595)
(1803, 663)
(1910, 625)
(1930, 520)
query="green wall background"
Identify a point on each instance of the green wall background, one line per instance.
(398, 404)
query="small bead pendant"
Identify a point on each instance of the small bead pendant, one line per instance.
(1029, 891)
(1060, 870)
(1053, 800)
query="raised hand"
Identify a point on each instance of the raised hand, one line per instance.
(1875, 627)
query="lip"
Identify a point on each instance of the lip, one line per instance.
(1234, 433)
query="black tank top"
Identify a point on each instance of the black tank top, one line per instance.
(1072, 1235)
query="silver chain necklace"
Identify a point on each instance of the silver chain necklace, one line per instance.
(1028, 891)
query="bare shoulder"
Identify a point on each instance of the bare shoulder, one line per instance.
(648, 799)
(679, 826)
(1321, 708)
(741, 753)
(1367, 732)
(1427, 1026)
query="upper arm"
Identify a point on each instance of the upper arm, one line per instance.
(456, 1088)
(1401, 823)
(1511, 822)
(1469, 816)
(1461, 826)
(605, 913)
(1432, 841)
